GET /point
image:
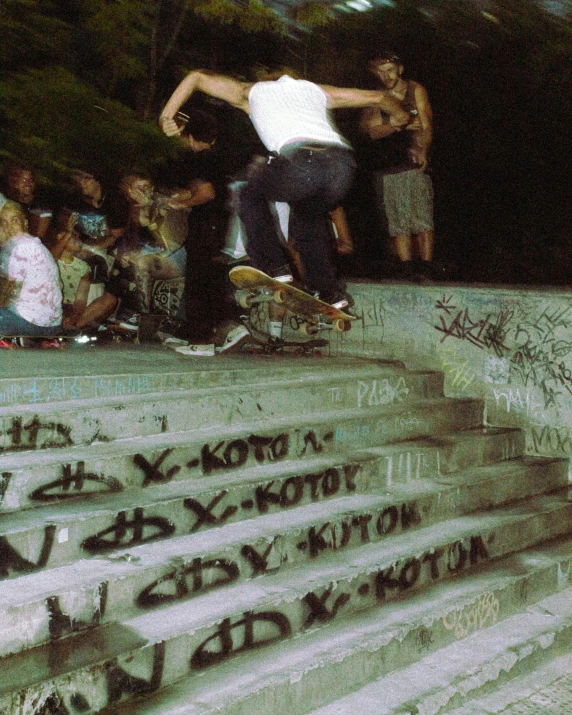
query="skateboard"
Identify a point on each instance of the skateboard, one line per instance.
(256, 287)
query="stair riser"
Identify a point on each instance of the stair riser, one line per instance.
(45, 426)
(276, 620)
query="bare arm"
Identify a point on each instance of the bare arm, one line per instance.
(215, 85)
(424, 134)
(198, 192)
(343, 98)
(372, 124)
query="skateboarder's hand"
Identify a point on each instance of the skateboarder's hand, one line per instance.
(170, 126)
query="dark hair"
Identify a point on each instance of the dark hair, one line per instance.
(11, 169)
(202, 126)
(384, 57)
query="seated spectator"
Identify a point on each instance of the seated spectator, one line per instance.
(98, 222)
(152, 246)
(19, 185)
(80, 309)
(34, 305)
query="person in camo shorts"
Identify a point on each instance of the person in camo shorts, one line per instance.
(403, 187)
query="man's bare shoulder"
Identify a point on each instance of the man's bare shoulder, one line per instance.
(225, 87)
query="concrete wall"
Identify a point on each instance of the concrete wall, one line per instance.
(511, 347)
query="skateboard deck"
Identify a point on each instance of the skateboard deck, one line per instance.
(260, 288)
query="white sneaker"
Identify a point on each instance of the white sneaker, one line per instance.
(197, 350)
(235, 339)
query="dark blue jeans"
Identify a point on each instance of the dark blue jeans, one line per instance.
(312, 181)
(12, 324)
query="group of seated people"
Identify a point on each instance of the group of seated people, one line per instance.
(73, 267)
(90, 254)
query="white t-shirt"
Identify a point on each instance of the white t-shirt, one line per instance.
(25, 259)
(288, 110)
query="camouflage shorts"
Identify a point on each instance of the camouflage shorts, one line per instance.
(408, 202)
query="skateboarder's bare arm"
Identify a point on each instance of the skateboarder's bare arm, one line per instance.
(219, 86)
(342, 98)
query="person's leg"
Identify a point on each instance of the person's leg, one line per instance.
(97, 311)
(277, 180)
(13, 324)
(425, 242)
(396, 198)
(422, 214)
(330, 173)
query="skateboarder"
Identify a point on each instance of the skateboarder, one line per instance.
(310, 166)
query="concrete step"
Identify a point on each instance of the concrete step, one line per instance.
(150, 575)
(294, 676)
(161, 647)
(547, 690)
(58, 533)
(108, 372)
(32, 478)
(438, 682)
(334, 387)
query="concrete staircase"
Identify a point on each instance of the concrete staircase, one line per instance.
(192, 536)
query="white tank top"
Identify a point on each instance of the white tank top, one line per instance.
(289, 110)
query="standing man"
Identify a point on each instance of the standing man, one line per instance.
(403, 188)
(310, 167)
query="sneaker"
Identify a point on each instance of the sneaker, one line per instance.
(235, 339)
(196, 350)
(282, 274)
(338, 300)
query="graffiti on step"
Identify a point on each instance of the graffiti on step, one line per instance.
(4, 482)
(73, 484)
(488, 333)
(19, 435)
(62, 624)
(119, 684)
(368, 527)
(424, 639)
(12, 562)
(222, 644)
(484, 612)
(232, 454)
(126, 532)
(275, 495)
(58, 389)
(185, 580)
(253, 630)
(381, 392)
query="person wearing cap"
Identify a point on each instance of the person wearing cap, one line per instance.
(403, 187)
(310, 166)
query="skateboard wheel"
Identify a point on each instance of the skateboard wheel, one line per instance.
(245, 301)
(308, 329)
(338, 325)
(279, 296)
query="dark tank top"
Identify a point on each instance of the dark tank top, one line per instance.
(390, 155)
